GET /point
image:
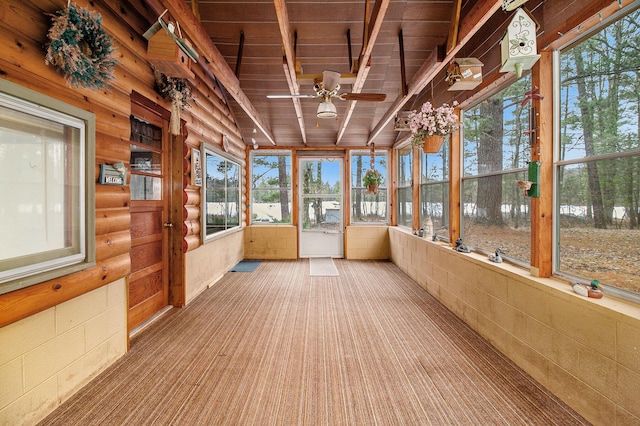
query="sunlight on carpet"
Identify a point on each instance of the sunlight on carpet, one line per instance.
(322, 267)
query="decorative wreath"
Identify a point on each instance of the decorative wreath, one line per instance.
(178, 92)
(174, 89)
(81, 48)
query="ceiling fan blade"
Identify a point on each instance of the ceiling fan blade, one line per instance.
(372, 97)
(291, 96)
(330, 80)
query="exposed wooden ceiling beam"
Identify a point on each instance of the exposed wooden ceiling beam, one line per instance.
(471, 23)
(210, 57)
(195, 9)
(289, 62)
(452, 39)
(364, 62)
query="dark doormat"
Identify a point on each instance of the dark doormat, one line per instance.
(246, 266)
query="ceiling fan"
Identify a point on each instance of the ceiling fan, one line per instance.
(328, 89)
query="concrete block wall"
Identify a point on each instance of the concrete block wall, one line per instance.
(271, 242)
(585, 351)
(47, 357)
(367, 242)
(209, 262)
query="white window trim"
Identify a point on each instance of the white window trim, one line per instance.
(204, 149)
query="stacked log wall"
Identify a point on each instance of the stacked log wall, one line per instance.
(23, 30)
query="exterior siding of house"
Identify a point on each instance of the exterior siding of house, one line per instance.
(53, 341)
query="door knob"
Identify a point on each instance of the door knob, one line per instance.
(168, 225)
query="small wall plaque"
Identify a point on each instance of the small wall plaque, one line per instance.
(110, 175)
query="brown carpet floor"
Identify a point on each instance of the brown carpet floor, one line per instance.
(279, 347)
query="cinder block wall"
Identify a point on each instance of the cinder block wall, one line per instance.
(367, 242)
(209, 262)
(47, 357)
(585, 351)
(271, 242)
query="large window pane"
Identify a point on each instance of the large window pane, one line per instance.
(598, 172)
(434, 189)
(498, 218)
(609, 253)
(222, 194)
(495, 156)
(271, 187)
(368, 207)
(434, 203)
(405, 200)
(494, 132)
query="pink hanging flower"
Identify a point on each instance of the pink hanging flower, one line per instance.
(430, 121)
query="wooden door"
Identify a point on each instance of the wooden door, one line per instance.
(149, 183)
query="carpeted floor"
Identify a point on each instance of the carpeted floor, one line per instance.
(277, 347)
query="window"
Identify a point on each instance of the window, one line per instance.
(368, 207)
(496, 213)
(598, 157)
(47, 209)
(434, 189)
(405, 201)
(145, 161)
(222, 194)
(270, 187)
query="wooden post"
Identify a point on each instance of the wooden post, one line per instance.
(542, 151)
(177, 289)
(392, 187)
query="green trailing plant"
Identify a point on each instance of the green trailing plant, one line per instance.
(80, 48)
(372, 177)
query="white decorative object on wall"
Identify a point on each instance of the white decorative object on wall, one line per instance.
(509, 5)
(519, 46)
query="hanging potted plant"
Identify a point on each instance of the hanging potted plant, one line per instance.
(372, 180)
(429, 126)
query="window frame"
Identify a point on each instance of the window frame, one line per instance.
(402, 185)
(207, 150)
(39, 105)
(559, 163)
(266, 153)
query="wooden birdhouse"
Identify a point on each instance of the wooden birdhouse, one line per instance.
(167, 52)
(464, 74)
(519, 45)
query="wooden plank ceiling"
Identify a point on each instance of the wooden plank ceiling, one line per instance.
(272, 44)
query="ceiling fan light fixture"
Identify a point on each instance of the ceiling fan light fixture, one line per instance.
(327, 109)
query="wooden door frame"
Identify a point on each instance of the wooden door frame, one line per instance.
(174, 189)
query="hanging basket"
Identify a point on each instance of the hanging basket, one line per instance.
(372, 189)
(432, 144)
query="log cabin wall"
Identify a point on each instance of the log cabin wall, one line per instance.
(55, 339)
